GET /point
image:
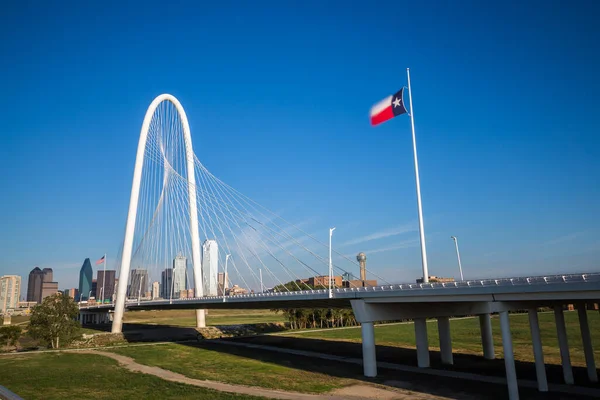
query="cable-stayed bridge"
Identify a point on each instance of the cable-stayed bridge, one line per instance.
(190, 237)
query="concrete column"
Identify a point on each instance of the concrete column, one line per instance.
(445, 340)
(587, 343)
(422, 343)
(509, 357)
(368, 349)
(487, 340)
(563, 344)
(538, 353)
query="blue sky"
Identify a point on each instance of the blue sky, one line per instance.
(278, 94)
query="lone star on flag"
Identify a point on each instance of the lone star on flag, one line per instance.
(388, 108)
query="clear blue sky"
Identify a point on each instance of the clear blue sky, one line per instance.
(278, 94)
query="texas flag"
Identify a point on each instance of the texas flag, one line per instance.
(388, 108)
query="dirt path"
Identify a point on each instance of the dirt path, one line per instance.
(351, 392)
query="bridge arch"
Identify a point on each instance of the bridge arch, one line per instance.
(133, 209)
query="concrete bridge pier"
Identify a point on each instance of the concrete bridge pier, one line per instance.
(509, 357)
(487, 339)
(368, 348)
(586, 339)
(445, 340)
(422, 342)
(538, 353)
(563, 344)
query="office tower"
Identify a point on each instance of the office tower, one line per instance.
(34, 285)
(223, 281)
(86, 274)
(49, 287)
(210, 262)
(167, 283)
(108, 284)
(179, 275)
(155, 290)
(72, 293)
(10, 292)
(138, 283)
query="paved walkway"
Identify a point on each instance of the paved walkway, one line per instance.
(352, 392)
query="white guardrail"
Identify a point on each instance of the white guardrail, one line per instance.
(502, 282)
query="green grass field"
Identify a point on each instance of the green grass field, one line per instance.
(50, 376)
(237, 366)
(466, 336)
(214, 317)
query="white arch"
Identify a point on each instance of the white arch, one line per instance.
(133, 205)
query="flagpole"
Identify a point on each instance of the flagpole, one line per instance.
(104, 280)
(421, 226)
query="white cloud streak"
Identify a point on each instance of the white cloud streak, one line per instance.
(399, 230)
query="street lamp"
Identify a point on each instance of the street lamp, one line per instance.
(458, 256)
(225, 276)
(330, 263)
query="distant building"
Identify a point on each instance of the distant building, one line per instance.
(155, 290)
(223, 282)
(179, 274)
(138, 283)
(49, 287)
(86, 274)
(93, 289)
(320, 281)
(438, 279)
(34, 285)
(190, 293)
(210, 263)
(166, 283)
(357, 283)
(235, 289)
(10, 292)
(108, 284)
(72, 293)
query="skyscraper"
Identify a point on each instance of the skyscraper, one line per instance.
(34, 285)
(139, 283)
(86, 274)
(108, 284)
(210, 262)
(179, 275)
(223, 281)
(49, 287)
(93, 289)
(155, 290)
(10, 292)
(166, 283)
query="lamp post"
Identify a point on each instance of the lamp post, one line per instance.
(458, 256)
(225, 277)
(330, 263)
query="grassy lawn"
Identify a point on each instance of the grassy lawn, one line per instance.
(214, 317)
(86, 376)
(238, 366)
(466, 336)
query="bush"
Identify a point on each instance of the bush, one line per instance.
(9, 336)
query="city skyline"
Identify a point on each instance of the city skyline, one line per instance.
(499, 171)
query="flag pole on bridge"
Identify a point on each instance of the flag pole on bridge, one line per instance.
(420, 207)
(386, 109)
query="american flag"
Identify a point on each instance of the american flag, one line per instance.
(100, 261)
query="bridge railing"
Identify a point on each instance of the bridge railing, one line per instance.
(518, 281)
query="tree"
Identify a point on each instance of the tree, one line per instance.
(53, 321)
(9, 336)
